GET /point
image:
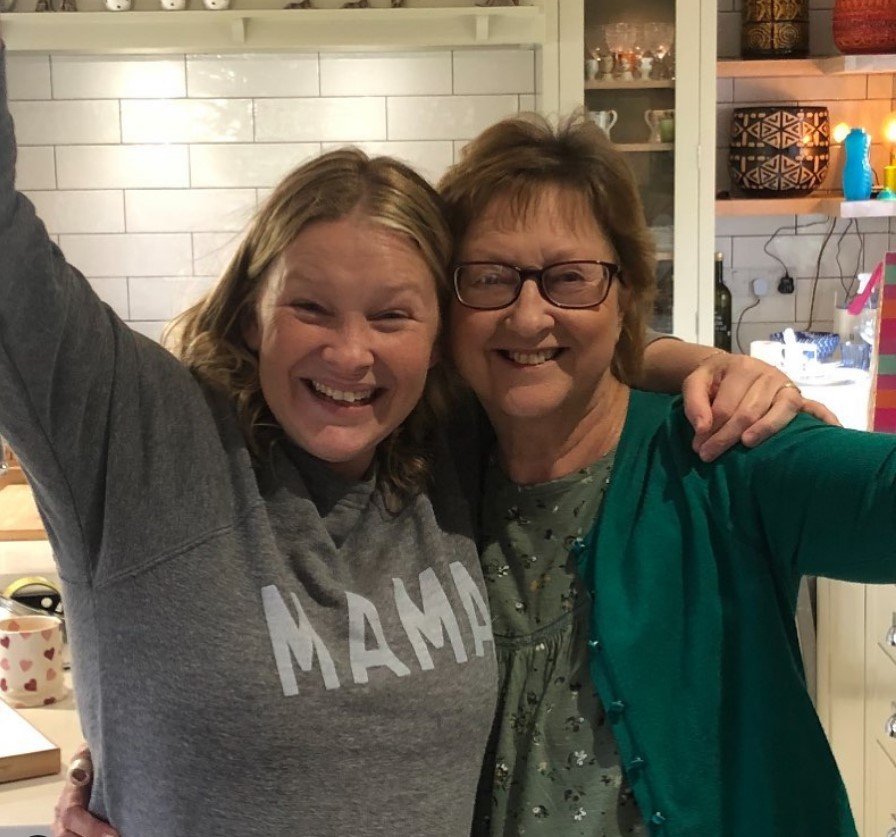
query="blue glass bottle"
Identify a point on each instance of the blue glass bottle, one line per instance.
(857, 176)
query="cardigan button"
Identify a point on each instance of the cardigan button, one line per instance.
(594, 644)
(577, 546)
(615, 709)
(657, 818)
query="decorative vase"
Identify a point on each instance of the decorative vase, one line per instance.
(857, 175)
(779, 151)
(774, 29)
(864, 26)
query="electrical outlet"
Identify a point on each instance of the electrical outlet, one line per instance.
(742, 281)
(760, 287)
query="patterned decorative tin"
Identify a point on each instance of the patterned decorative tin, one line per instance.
(865, 26)
(774, 29)
(779, 151)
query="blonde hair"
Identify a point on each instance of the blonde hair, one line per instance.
(209, 338)
(517, 159)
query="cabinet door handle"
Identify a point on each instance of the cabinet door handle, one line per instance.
(890, 729)
(891, 641)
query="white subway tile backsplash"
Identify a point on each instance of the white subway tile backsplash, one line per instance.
(212, 252)
(28, 77)
(401, 74)
(428, 158)
(799, 89)
(152, 330)
(728, 33)
(126, 77)
(162, 298)
(755, 225)
(35, 168)
(880, 86)
(66, 123)
(169, 254)
(445, 117)
(188, 210)
(123, 166)
(828, 293)
(80, 212)
(113, 290)
(482, 71)
(248, 76)
(724, 90)
(246, 164)
(187, 120)
(346, 119)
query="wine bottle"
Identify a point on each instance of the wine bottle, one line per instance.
(722, 309)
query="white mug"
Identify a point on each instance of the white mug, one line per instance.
(604, 119)
(770, 351)
(31, 660)
(653, 118)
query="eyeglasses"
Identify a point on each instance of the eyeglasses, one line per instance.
(491, 285)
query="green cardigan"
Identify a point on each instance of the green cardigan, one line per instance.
(694, 569)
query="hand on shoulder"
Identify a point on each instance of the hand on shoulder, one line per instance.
(732, 398)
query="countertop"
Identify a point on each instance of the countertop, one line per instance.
(26, 806)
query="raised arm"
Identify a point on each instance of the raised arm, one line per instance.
(728, 398)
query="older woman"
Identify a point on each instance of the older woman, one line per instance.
(642, 600)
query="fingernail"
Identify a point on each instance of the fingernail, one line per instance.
(78, 776)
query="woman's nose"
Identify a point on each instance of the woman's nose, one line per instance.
(530, 314)
(349, 349)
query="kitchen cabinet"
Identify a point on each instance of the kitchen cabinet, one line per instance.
(677, 179)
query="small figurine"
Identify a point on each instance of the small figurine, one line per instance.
(299, 4)
(67, 6)
(118, 5)
(216, 5)
(356, 4)
(173, 5)
(42, 6)
(497, 2)
(397, 4)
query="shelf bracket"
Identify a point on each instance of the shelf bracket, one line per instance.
(482, 28)
(238, 30)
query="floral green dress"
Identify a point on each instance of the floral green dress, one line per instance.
(551, 767)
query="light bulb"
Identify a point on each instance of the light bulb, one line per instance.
(890, 134)
(841, 129)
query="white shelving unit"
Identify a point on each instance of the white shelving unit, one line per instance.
(147, 29)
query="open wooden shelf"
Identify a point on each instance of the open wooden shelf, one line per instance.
(644, 146)
(830, 66)
(831, 205)
(146, 29)
(638, 83)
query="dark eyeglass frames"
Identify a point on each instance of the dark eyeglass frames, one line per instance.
(577, 284)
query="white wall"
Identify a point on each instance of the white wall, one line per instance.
(145, 170)
(864, 100)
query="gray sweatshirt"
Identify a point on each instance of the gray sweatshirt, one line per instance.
(251, 657)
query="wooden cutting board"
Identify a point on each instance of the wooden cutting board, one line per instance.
(19, 520)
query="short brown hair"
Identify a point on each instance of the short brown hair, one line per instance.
(209, 336)
(517, 158)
